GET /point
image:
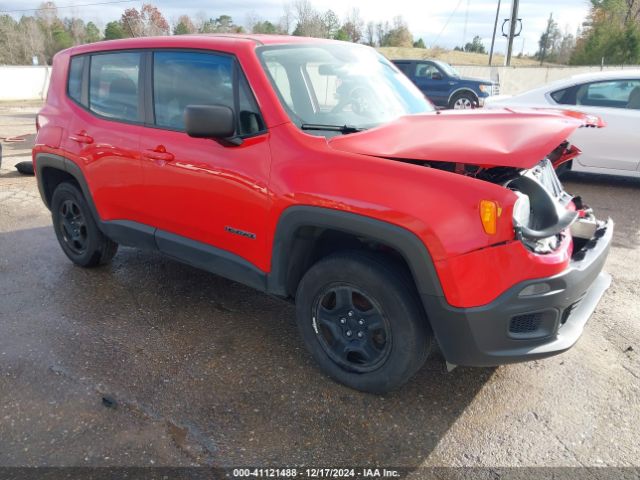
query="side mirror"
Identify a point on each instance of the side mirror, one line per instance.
(209, 121)
(436, 76)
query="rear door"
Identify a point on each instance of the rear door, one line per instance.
(200, 189)
(617, 102)
(103, 135)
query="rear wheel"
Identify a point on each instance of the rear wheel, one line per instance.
(360, 318)
(463, 101)
(77, 232)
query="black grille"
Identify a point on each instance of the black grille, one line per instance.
(527, 323)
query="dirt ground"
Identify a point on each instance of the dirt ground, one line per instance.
(151, 362)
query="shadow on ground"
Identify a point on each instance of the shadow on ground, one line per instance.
(217, 368)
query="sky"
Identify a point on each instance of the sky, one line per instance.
(437, 22)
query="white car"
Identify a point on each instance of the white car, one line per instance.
(613, 96)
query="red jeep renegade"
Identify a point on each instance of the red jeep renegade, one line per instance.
(315, 171)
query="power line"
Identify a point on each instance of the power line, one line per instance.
(466, 23)
(446, 24)
(67, 6)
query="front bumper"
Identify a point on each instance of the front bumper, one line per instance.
(516, 328)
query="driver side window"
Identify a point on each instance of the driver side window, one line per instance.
(194, 78)
(425, 70)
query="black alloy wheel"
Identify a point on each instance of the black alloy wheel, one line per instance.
(78, 234)
(360, 316)
(352, 328)
(73, 226)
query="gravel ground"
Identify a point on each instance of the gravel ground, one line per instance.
(151, 362)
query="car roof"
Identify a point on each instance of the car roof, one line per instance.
(598, 76)
(199, 40)
(580, 78)
(606, 75)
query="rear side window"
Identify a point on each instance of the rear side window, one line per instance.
(608, 94)
(611, 94)
(74, 83)
(191, 78)
(114, 85)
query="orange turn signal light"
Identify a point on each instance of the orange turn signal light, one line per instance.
(489, 213)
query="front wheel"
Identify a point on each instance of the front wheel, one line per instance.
(360, 318)
(463, 101)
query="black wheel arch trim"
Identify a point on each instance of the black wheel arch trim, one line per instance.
(50, 160)
(404, 241)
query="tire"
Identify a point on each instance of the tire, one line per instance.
(79, 236)
(25, 168)
(463, 101)
(385, 339)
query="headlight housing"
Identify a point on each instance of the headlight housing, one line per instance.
(486, 88)
(521, 210)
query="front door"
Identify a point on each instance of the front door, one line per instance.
(199, 189)
(433, 82)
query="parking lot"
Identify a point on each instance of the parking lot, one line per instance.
(151, 362)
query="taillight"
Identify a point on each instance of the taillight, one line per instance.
(37, 122)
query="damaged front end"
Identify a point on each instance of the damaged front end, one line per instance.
(544, 214)
(517, 149)
(543, 211)
(543, 312)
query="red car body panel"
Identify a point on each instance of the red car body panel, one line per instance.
(477, 277)
(110, 161)
(228, 186)
(251, 185)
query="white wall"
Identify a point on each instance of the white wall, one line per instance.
(31, 83)
(24, 83)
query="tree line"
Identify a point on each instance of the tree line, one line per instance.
(41, 35)
(609, 35)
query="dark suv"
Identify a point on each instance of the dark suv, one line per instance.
(444, 86)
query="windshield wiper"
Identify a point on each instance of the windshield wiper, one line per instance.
(331, 128)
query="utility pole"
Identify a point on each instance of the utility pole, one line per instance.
(495, 28)
(512, 29)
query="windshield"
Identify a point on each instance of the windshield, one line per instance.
(340, 85)
(448, 69)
